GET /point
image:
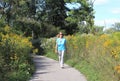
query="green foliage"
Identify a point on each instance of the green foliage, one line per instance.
(84, 13)
(88, 70)
(16, 63)
(98, 30)
(24, 15)
(116, 26)
(2, 23)
(18, 76)
(110, 30)
(56, 13)
(49, 30)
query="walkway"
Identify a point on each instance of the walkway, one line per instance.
(49, 70)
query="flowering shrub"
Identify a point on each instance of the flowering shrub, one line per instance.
(16, 64)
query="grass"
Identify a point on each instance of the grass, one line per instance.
(82, 66)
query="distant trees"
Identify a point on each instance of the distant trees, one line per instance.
(116, 26)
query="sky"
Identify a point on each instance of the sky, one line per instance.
(107, 12)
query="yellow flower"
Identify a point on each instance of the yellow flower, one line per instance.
(103, 36)
(87, 44)
(107, 43)
(7, 28)
(76, 47)
(35, 50)
(117, 68)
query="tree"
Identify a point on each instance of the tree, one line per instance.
(14, 9)
(56, 12)
(116, 26)
(98, 30)
(85, 13)
(21, 13)
(110, 30)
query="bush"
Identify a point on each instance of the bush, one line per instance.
(18, 76)
(16, 63)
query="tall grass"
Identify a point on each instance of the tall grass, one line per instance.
(97, 57)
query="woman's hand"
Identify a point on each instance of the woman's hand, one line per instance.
(56, 51)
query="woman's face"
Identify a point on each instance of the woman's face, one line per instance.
(61, 35)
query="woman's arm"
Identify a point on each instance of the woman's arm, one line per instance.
(56, 50)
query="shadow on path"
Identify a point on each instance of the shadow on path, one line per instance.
(49, 70)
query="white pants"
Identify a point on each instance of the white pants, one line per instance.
(61, 57)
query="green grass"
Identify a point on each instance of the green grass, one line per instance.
(89, 72)
(52, 55)
(84, 67)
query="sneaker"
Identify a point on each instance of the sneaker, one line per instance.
(62, 67)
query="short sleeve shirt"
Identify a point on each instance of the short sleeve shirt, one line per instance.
(61, 44)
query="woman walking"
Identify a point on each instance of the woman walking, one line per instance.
(61, 48)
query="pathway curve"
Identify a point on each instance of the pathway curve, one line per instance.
(49, 70)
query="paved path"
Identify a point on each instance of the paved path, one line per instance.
(49, 70)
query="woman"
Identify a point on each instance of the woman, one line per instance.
(61, 48)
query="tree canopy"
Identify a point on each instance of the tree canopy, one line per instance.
(48, 16)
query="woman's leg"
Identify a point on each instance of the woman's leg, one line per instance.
(59, 56)
(62, 59)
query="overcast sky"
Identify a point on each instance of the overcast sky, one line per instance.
(107, 12)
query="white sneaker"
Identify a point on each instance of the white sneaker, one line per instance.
(62, 66)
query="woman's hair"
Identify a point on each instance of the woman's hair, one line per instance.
(58, 35)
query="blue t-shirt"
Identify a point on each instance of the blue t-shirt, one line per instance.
(61, 44)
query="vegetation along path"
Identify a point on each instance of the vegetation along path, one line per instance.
(49, 70)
